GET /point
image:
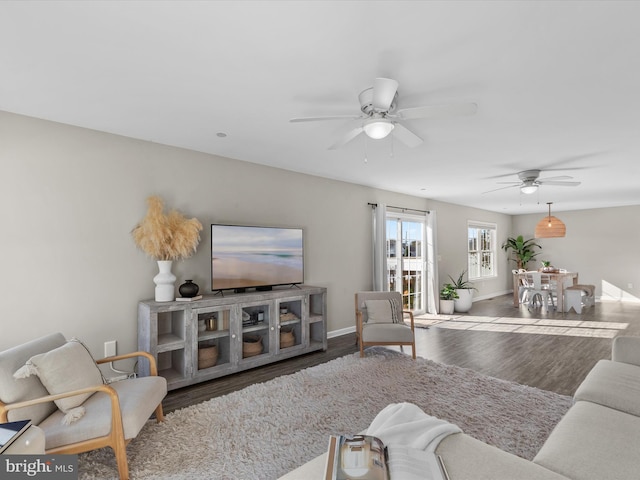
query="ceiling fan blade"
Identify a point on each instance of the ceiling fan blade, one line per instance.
(352, 133)
(438, 111)
(553, 179)
(384, 89)
(405, 135)
(563, 184)
(501, 188)
(559, 163)
(333, 117)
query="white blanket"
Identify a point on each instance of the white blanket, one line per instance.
(411, 437)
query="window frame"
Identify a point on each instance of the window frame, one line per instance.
(479, 226)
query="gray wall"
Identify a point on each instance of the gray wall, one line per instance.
(600, 244)
(69, 198)
(452, 246)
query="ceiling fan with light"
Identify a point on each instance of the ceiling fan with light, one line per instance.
(530, 181)
(381, 117)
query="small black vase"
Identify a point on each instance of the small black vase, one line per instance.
(188, 289)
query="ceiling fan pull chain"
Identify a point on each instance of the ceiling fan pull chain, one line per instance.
(366, 160)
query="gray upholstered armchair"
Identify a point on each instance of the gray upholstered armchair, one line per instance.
(59, 387)
(380, 321)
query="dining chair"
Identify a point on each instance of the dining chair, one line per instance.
(523, 290)
(540, 287)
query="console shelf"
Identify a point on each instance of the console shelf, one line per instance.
(173, 331)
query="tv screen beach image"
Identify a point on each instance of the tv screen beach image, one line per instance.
(243, 257)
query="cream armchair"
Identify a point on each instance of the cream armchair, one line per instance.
(380, 321)
(112, 415)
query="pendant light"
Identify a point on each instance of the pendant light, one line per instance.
(550, 227)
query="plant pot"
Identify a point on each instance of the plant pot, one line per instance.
(548, 269)
(464, 301)
(446, 307)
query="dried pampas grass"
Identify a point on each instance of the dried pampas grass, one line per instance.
(166, 236)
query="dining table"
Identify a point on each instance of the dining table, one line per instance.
(560, 278)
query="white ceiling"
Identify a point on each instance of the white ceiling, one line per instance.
(557, 86)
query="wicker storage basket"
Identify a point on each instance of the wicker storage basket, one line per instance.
(251, 345)
(287, 337)
(207, 357)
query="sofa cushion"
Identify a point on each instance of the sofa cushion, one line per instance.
(13, 390)
(612, 384)
(593, 442)
(383, 311)
(63, 369)
(466, 458)
(626, 349)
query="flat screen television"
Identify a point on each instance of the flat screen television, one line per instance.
(255, 257)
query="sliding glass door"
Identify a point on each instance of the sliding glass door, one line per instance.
(406, 259)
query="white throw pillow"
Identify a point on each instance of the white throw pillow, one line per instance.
(382, 311)
(66, 368)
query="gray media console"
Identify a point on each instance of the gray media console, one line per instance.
(223, 334)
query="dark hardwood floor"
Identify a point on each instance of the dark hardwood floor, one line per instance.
(548, 361)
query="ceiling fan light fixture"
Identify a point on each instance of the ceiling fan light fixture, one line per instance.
(378, 128)
(529, 189)
(550, 226)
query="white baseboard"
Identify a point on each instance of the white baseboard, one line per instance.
(491, 295)
(342, 331)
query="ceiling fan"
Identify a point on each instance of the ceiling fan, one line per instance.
(529, 182)
(380, 116)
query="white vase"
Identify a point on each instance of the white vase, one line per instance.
(165, 282)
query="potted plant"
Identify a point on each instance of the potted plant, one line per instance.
(166, 237)
(547, 267)
(464, 291)
(523, 250)
(447, 298)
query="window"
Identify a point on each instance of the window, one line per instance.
(482, 250)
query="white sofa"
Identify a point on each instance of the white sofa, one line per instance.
(598, 438)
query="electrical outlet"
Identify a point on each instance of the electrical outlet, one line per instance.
(630, 285)
(110, 348)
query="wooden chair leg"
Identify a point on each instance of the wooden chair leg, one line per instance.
(159, 413)
(120, 451)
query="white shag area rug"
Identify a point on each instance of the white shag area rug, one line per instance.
(268, 429)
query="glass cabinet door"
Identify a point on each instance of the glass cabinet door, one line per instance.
(256, 330)
(214, 338)
(291, 314)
